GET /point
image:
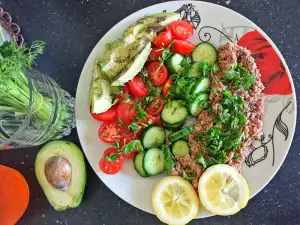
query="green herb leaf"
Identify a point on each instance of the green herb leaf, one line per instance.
(236, 156)
(134, 127)
(141, 114)
(202, 161)
(111, 157)
(188, 177)
(116, 145)
(131, 146)
(169, 159)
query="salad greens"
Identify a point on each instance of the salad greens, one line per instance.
(239, 76)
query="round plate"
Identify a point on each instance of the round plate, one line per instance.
(266, 155)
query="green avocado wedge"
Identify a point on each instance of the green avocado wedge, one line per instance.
(61, 172)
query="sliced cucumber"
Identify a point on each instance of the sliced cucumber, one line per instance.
(202, 85)
(181, 133)
(153, 137)
(188, 91)
(154, 161)
(205, 52)
(174, 127)
(198, 104)
(173, 63)
(174, 112)
(195, 70)
(180, 148)
(138, 163)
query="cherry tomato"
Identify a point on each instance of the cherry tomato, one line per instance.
(182, 29)
(111, 132)
(126, 89)
(163, 38)
(154, 120)
(138, 87)
(155, 106)
(111, 167)
(125, 140)
(126, 111)
(109, 115)
(158, 73)
(183, 47)
(155, 54)
(167, 86)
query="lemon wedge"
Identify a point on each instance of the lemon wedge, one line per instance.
(222, 190)
(175, 201)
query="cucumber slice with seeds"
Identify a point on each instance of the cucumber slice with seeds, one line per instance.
(174, 112)
(153, 137)
(198, 104)
(205, 52)
(154, 161)
(180, 148)
(173, 63)
(202, 85)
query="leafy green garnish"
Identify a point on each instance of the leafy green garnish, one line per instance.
(134, 127)
(227, 133)
(240, 77)
(141, 114)
(169, 159)
(202, 161)
(188, 177)
(112, 157)
(116, 145)
(236, 156)
(131, 146)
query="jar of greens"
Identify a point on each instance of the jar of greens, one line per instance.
(33, 108)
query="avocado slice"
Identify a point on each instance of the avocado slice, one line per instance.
(115, 61)
(100, 94)
(163, 19)
(60, 170)
(133, 68)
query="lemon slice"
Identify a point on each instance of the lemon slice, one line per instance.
(222, 190)
(175, 201)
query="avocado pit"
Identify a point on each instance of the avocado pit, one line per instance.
(58, 172)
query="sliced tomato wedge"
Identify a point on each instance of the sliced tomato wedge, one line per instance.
(125, 140)
(158, 73)
(126, 111)
(163, 38)
(183, 47)
(109, 115)
(108, 166)
(111, 132)
(182, 29)
(155, 107)
(167, 86)
(155, 54)
(154, 120)
(126, 89)
(137, 87)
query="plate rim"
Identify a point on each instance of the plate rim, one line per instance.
(255, 26)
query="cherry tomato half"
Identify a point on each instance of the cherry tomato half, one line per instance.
(108, 166)
(167, 86)
(109, 115)
(163, 38)
(125, 140)
(111, 132)
(182, 29)
(126, 89)
(155, 106)
(126, 111)
(155, 54)
(137, 87)
(183, 47)
(158, 73)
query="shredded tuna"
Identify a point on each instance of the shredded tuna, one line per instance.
(229, 54)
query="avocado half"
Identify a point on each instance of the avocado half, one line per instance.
(60, 170)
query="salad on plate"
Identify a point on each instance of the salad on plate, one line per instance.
(185, 109)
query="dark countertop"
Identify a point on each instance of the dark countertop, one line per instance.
(71, 28)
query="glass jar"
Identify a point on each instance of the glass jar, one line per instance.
(34, 112)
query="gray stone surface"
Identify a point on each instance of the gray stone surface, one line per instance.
(71, 28)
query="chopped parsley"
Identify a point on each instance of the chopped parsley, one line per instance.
(134, 127)
(202, 161)
(240, 77)
(227, 133)
(188, 177)
(131, 146)
(112, 157)
(141, 114)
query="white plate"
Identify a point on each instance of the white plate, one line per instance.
(280, 104)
